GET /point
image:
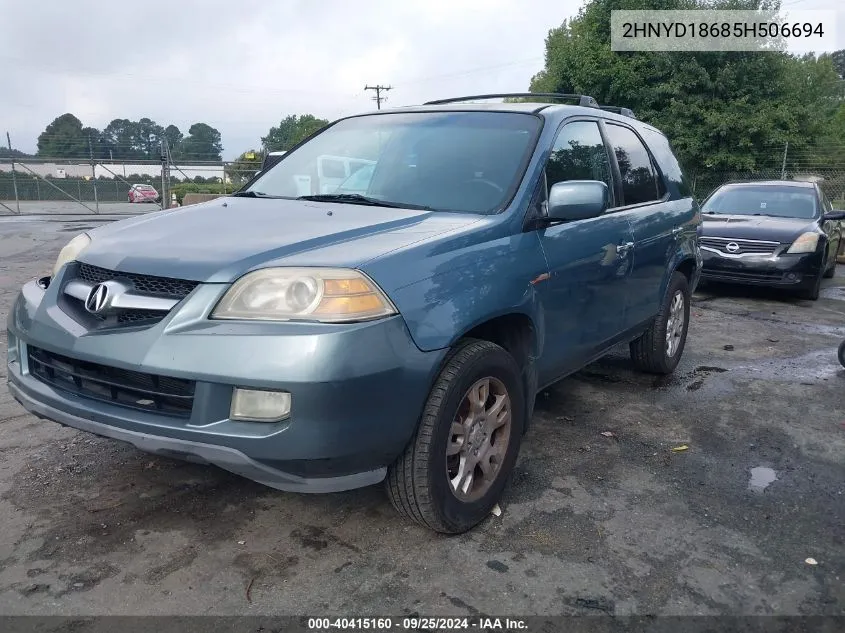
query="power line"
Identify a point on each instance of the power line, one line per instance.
(378, 98)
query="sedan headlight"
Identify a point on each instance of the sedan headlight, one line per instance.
(806, 243)
(70, 252)
(328, 295)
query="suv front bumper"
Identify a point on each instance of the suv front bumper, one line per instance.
(356, 389)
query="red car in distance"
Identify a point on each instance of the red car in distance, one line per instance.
(143, 193)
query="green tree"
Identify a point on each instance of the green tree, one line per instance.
(121, 138)
(838, 59)
(63, 138)
(5, 152)
(202, 143)
(244, 167)
(724, 110)
(94, 144)
(173, 136)
(290, 131)
(149, 137)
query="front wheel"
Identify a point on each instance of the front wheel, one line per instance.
(659, 349)
(830, 272)
(455, 468)
(812, 293)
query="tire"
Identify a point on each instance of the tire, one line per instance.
(842, 353)
(830, 272)
(812, 293)
(650, 352)
(418, 482)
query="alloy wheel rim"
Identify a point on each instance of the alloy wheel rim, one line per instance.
(478, 439)
(675, 324)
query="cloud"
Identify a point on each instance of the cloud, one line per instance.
(243, 66)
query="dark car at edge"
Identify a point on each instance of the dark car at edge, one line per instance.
(782, 234)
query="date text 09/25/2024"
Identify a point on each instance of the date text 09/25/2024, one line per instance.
(482, 624)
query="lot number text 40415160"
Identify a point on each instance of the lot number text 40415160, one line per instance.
(417, 623)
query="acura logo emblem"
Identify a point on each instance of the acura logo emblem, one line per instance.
(97, 299)
(732, 247)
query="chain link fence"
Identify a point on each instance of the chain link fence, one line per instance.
(108, 182)
(831, 180)
(88, 185)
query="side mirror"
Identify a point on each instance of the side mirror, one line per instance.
(577, 200)
(834, 215)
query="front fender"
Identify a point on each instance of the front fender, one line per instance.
(470, 285)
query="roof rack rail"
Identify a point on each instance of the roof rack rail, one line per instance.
(583, 100)
(618, 110)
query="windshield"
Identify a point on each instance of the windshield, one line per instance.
(450, 161)
(775, 200)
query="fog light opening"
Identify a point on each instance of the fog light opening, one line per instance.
(258, 405)
(791, 276)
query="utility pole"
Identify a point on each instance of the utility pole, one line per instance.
(378, 98)
(783, 166)
(93, 174)
(14, 176)
(165, 175)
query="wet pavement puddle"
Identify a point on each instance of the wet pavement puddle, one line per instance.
(761, 478)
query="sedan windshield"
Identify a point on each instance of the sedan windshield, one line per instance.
(782, 201)
(449, 161)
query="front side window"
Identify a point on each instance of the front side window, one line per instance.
(446, 161)
(781, 201)
(639, 180)
(579, 154)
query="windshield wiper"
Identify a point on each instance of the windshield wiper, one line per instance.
(251, 194)
(357, 198)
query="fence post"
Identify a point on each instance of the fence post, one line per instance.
(783, 166)
(94, 176)
(79, 188)
(14, 176)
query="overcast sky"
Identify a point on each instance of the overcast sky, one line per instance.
(242, 65)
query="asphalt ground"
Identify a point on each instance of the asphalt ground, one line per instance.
(590, 524)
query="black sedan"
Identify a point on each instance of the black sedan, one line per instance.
(774, 233)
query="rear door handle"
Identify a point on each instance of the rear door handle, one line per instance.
(622, 249)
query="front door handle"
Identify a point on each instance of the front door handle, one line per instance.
(622, 249)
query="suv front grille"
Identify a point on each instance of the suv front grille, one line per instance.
(137, 316)
(131, 389)
(148, 284)
(743, 247)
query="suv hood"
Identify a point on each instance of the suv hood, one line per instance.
(756, 227)
(220, 240)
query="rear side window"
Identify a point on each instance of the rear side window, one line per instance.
(579, 154)
(661, 149)
(639, 180)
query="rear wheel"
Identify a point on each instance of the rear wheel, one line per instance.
(455, 468)
(659, 349)
(842, 353)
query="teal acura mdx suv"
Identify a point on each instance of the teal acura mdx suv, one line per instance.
(382, 304)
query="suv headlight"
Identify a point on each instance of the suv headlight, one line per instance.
(71, 251)
(329, 295)
(806, 243)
